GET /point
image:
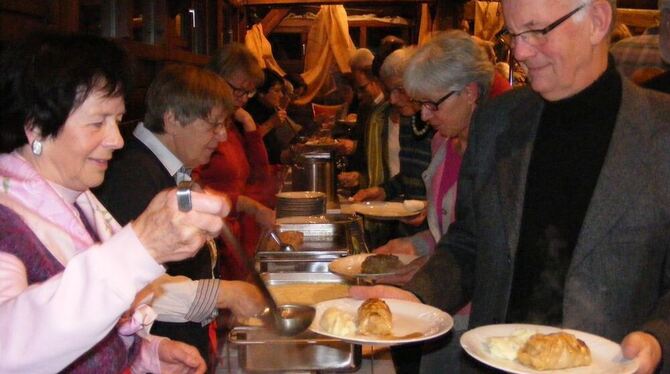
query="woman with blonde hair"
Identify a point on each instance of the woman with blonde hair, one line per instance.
(240, 167)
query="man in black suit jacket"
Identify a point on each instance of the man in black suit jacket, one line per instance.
(563, 204)
(186, 109)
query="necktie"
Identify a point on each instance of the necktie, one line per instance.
(87, 225)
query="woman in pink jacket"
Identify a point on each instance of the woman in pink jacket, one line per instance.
(68, 272)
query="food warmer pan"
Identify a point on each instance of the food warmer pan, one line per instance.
(323, 243)
(262, 350)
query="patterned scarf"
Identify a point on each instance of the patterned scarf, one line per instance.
(52, 219)
(63, 234)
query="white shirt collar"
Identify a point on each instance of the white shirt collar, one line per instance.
(164, 155)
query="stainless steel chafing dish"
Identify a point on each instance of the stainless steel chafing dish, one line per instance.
(356, 230)
(261, 350)
(278, 279)
(324, 241)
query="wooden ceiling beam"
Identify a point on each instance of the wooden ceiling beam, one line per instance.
(273, 19)
(639, 17)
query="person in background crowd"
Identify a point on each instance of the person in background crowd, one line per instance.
(301, 114)
(388, 45)
(297, 84)
(563, 202)
(642, 54)
(184, 122)
(68, 270)
(239, 166)
(407, 153)
(268, 109)
(370, 94)
(661, 82)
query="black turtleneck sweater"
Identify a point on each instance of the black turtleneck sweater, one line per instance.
(568, 154)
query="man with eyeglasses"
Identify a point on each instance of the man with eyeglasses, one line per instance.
(184, 123)
(563, 203)
(371, 100)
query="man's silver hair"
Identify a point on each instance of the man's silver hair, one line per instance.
(449, 61)
(361, 59)
(579, 16)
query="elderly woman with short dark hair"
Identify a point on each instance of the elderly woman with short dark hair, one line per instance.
(68, 270)
(448, 77)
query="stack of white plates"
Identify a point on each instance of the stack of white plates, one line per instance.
(300, 203)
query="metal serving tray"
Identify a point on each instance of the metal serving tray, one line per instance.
(276, 279)
(262, 350)
(323, 243)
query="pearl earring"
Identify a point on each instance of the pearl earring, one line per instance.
(36, 147)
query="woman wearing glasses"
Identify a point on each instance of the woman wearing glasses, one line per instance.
(448, 77)
(239, 167)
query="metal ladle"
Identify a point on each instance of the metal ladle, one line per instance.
(288, 320)
(284, 247)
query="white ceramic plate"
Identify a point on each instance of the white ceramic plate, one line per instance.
(350, 266)
(606, 354)
(412, 322)
(384, 210)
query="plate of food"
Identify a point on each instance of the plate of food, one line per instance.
(371, 265)
(389, 210)
(347, 121)
(537, 349)
(321, 140)
(379, 321)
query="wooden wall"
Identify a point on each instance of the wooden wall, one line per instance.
(162, 35)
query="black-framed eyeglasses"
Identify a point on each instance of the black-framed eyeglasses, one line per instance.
(538, 36)
(239, 91)
(433, 106)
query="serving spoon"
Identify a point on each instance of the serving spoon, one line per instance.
(284, 247)
(289, 319)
